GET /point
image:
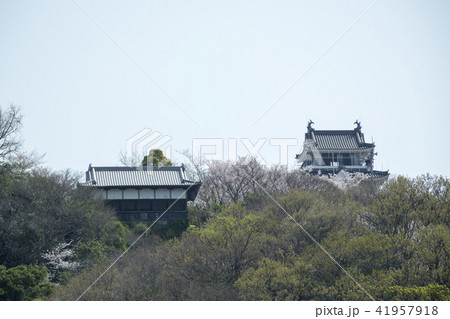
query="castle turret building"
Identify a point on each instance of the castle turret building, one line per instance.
(330, 151)
(144, 193)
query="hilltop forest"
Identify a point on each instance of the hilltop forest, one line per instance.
(254, 233)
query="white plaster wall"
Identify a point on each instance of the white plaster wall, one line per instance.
(178, 193)
(162, 193)
(115, 194)
(130, 194)
(147, 193)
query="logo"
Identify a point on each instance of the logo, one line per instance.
(266, 150)
(140, 144)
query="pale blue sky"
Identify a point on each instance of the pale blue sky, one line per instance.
(225, 62)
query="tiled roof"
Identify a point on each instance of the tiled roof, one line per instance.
(116, 176)
(340, 140)
(379, 174)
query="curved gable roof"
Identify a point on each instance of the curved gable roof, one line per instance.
(340, 140)
(136, 176)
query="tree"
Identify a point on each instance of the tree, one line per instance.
(196, 167)
(23, 283)
(227, 182)
(59, 260)
(404, 206)
(395, 243)
(432, 292)
(396, 209)
(40, 210)
(156, 158)
(275, 280)
(10, 124)
(206, 262)
(433, 253)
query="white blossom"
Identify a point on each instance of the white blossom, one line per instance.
(59, 259)
(345, 179)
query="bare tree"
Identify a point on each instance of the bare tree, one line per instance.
(196, 167)
(226, 182)
(130, 159)
(23, 161)
(276, 179)
(10, 125)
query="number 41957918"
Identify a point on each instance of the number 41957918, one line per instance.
(407, 310)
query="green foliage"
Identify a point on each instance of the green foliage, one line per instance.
(23, 283)
(404, 206)
(139, 228)
(156, 157)
(114, 235)
(397, 208)
(236, 242)
(40, 210)
(394, 242)
(91, 252)
(217, 208)
(274, 280)
(171, 229)
(432, 292)
(373, 285)
(433, 252)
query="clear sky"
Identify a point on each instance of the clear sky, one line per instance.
(225, 62)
